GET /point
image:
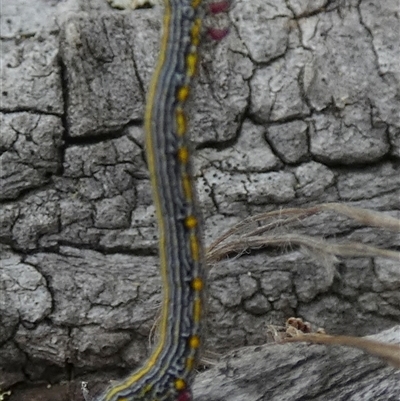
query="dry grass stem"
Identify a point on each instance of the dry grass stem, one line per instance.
(364, 216)
(390, 353)
(350, 249)
(277, 231)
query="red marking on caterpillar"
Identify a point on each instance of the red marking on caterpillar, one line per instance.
(184, 396)
(219, 7)
(218, 34)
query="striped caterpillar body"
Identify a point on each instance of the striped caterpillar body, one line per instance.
(168, 373)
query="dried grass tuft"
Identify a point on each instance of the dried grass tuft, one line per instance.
(277, 229)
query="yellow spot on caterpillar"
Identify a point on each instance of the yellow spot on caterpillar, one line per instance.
(197, 284)
(190, 222)
(183, 155)
(190, 363)
(195, 32)
(197, 310)
(180, 384)
(196, 3)
(187, 187)
(191, 61)
(194, 342)
(194, 247)
(181, 125)
(183, 93)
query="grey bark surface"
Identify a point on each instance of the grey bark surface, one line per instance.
(297, 106)
(283, 373)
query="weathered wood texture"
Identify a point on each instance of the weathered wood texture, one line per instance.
(297, 106)
(285, 373)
